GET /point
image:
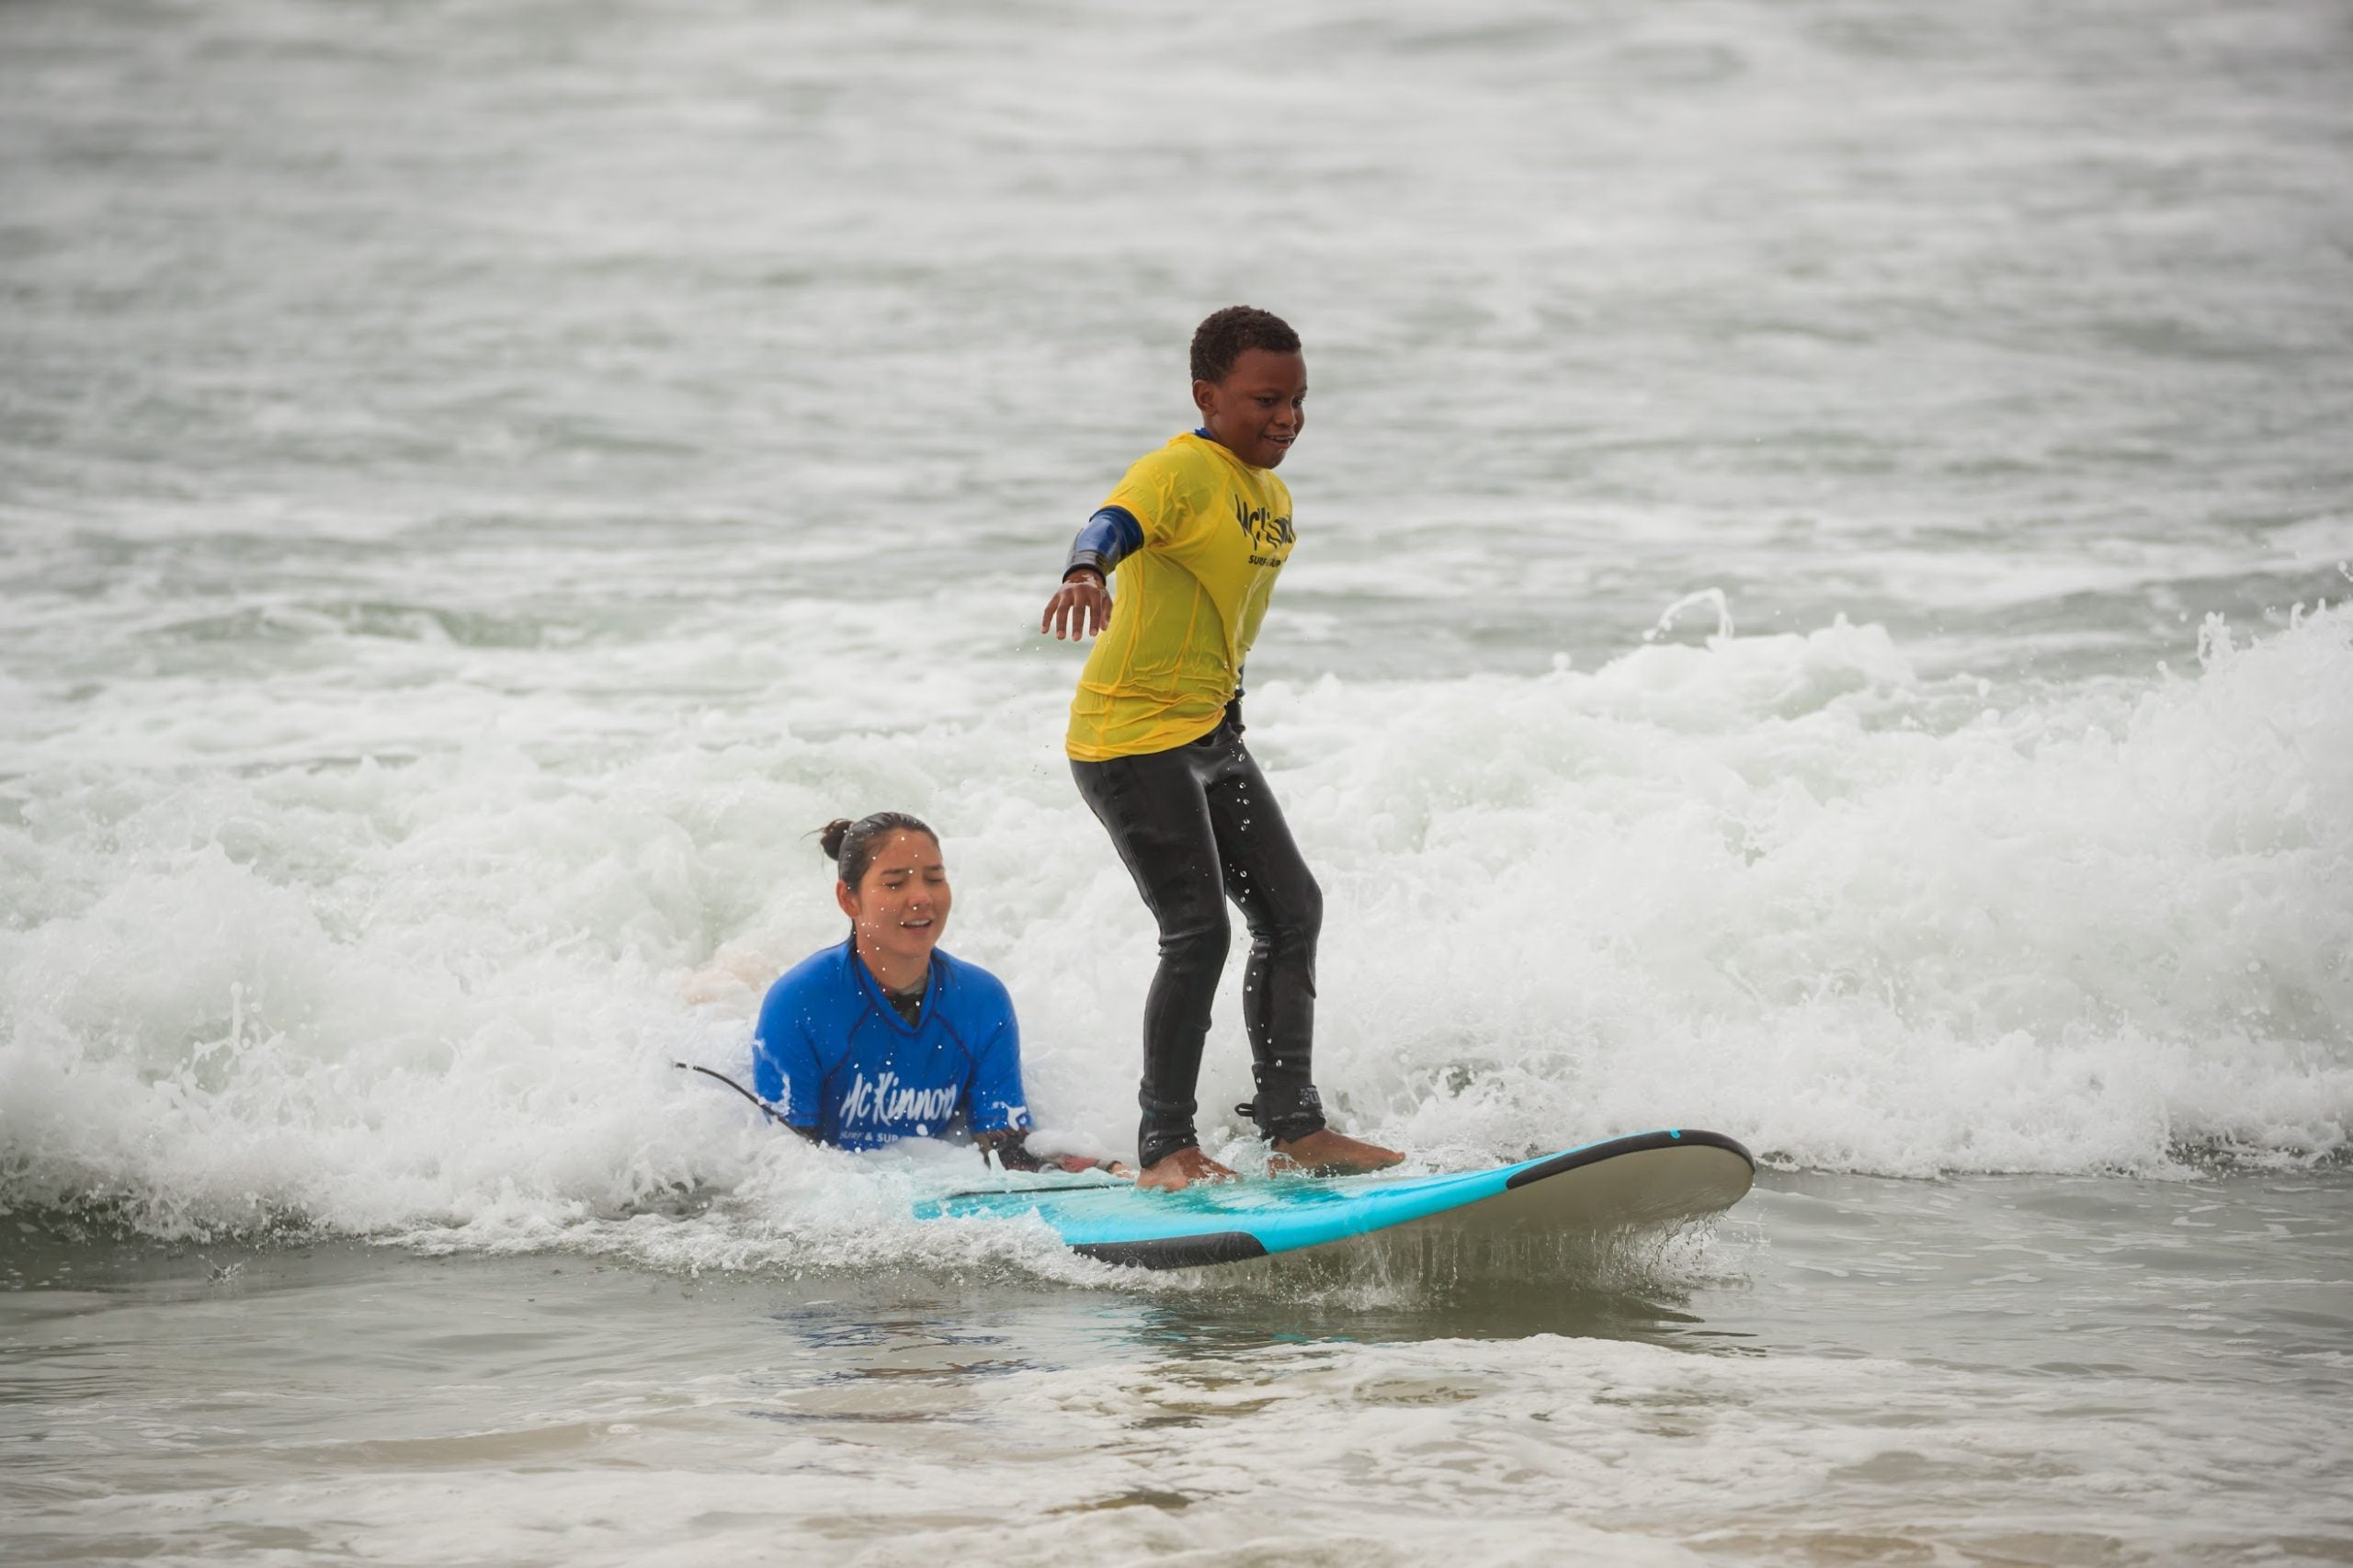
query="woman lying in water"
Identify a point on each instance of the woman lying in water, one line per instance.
(885, 1035)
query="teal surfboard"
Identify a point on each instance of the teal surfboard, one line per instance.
(1643, 1180)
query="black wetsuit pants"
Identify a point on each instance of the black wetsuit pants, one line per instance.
(1196, 825)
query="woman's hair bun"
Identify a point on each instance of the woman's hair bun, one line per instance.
(852, 846)
(830, 836)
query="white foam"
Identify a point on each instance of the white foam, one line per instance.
(1780, 886)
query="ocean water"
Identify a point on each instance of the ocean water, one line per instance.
(1820, 614)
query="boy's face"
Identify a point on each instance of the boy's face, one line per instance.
(1255, 412)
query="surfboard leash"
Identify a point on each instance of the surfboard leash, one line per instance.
(777, 1115)
(765, 1109)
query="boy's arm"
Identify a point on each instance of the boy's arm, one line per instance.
(1082, 606)
(1133, 517)
(1111, 536)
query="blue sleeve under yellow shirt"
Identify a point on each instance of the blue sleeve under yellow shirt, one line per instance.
(1186, 605)
(832, 1051)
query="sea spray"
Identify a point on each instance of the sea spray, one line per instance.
(1779, 885)
(1759, 887)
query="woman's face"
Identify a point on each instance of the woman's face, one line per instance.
(900, 906)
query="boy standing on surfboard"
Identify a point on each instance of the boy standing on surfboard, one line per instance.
(1194, 537)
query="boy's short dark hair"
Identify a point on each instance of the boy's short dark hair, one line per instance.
(1228, 334)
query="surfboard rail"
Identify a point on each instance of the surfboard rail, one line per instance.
(1634, 1181)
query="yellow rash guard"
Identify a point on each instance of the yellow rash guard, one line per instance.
(1185, 604)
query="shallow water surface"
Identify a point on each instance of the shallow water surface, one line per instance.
(2070, 1369)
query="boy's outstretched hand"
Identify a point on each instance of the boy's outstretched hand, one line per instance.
(1080, 608)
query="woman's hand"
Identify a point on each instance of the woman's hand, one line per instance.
(1009, 1149)
(1078, 1165)
(1080, 608)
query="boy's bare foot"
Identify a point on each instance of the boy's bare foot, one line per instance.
(1326, 1153)
(1183, 1169)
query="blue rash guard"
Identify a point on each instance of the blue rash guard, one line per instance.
(834, 1053)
